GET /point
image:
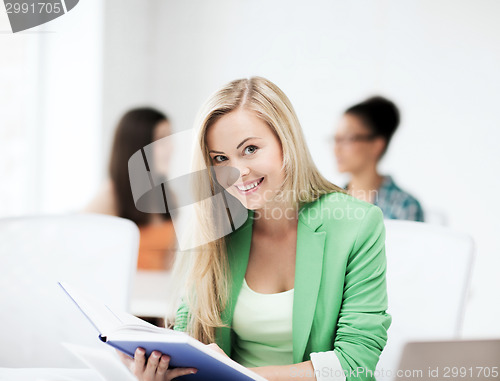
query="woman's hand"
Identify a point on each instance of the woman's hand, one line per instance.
(216, 348)
(155, 368)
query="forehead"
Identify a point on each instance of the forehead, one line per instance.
(351, 124)
(229, 130)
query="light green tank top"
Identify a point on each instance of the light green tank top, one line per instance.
(263, 327)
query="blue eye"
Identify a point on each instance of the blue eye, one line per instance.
(251, 146)
(218, 161)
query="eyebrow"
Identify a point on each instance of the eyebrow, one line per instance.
(239, 145)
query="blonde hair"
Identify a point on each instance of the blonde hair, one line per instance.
(206, 268)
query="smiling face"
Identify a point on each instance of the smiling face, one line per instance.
(243, 141)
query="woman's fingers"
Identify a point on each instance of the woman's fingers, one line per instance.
(162, 367)
(139, 362)
(156, 367)
(152, 365)
(177, 372)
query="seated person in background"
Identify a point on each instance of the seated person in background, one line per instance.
(361, 139)
(136, 129)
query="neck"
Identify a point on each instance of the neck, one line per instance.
(276, 220)
(365, 183)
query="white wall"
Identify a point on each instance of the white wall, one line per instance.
(69, 108)
(18, 100)
(128, 57)
(51, 122)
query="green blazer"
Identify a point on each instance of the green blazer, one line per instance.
(340, 297)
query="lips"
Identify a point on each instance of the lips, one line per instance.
(250, 183)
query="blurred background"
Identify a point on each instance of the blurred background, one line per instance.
(64, 85)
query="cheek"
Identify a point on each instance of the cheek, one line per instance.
(226, 176)
(364, 154)
(276, 164)
(356, 153)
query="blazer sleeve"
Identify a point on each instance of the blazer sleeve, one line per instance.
(363, 321)
(181, 317)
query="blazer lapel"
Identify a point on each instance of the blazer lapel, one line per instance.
(308, 269)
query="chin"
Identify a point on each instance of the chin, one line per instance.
(251, 206)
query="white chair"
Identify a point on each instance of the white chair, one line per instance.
(436, 216)
(95, 253)
(428, 273)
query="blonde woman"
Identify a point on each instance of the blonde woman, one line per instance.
(299, 289)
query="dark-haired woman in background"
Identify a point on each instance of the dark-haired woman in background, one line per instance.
(136, 129)
(361, 140)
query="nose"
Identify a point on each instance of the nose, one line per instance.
(244, 171)
(242, 168)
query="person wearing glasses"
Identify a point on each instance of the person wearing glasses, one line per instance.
(361, 140)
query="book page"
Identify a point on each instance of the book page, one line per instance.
(101, 317)
(107, 320)
(105, 363)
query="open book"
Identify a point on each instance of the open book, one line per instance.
(126, 333)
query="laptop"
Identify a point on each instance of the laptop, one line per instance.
(463, 360)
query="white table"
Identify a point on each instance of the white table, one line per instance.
(48, 374)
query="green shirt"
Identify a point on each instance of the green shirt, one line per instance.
(263, 327)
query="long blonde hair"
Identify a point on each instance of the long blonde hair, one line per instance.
(206, 268)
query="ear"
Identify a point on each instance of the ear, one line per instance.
(379, 144)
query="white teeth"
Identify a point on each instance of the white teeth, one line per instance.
(253, 185)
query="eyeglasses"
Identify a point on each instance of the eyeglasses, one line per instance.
(349, 139)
